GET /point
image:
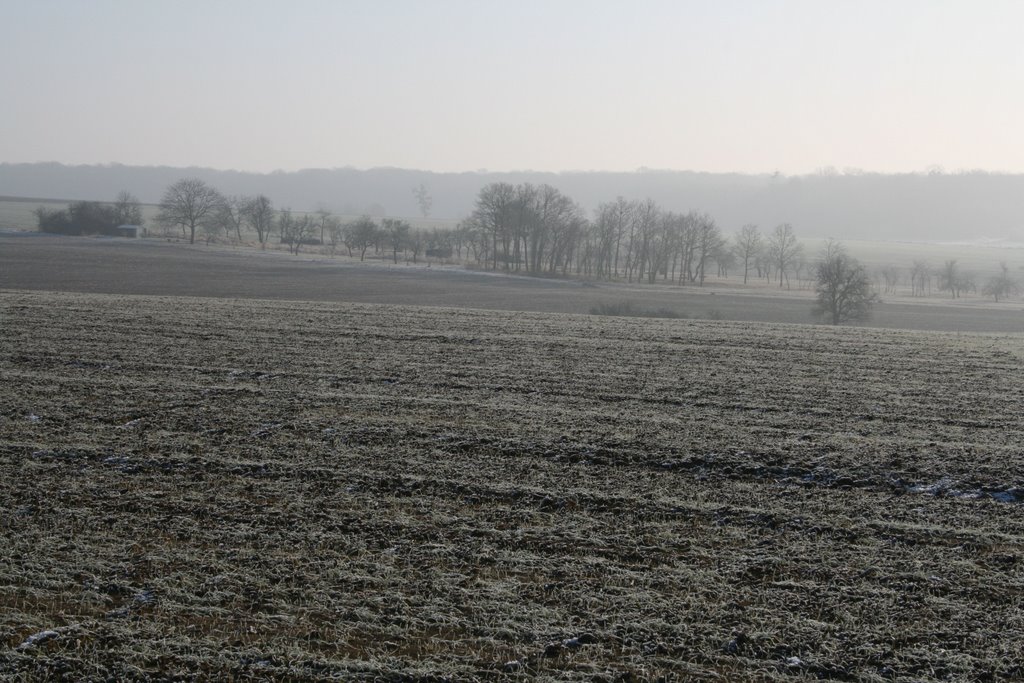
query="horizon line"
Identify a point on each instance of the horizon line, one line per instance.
(823, 172)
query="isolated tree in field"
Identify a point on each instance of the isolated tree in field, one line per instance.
(362, 233)
(190, 203)
(843, 287)
(127, 209)
(1002, 285)
(258, 212)
(748, 244)
(784, 249)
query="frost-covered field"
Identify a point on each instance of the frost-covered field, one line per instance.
(261, 490)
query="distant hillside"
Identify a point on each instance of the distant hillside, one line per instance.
(968, 206)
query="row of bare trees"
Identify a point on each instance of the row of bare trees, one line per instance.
(517, 228)
(537, 229)
(950, 277)
(198, 208)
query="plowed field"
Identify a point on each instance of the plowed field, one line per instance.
(215, 489)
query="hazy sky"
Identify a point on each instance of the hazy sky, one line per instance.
(554, 85)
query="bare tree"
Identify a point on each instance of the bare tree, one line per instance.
(725, 257)
(323, 221)
(709, 240)
(951, 279)
(209, 230)
(295, 230)
(784, 249)
(493, 214)
(231, 216)
(417, 243)
(190, 203)
(286, 227)
(920, 278)
(891, 277)
(259, 214)
(397, 234)
(361, 233)
(748, 244)
(843, 287)
(423, 198)
(127, 209)
(1002, 285)
(335, 235)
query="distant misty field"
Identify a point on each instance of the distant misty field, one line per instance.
(18, 214)
(979, 260)
(271, 490)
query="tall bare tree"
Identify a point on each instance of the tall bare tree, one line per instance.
(891, 276)
(950, 278)
(784, 249)
(190, 203)
(423, 199)
(259, 214)
(709, 240)
(360, 234)
(323, 222)
(231, 217)
(920, 278)
(127, 209)
(493, 215)
(397, 234)
(748, 244)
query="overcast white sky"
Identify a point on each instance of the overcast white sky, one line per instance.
(722, 85)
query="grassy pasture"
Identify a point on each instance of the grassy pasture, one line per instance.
(264, 490)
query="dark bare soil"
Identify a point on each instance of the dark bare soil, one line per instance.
(117, 266)
(215, 490)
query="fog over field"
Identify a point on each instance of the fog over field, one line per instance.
(973, 207)
(584, 341)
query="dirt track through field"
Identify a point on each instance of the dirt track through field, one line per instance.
(336, 491)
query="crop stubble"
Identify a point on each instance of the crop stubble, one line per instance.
(213, 488)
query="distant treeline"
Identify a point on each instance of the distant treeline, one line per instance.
(91, 218)
(516, 228)
(933, 206)
(539, 230)
(523, 228)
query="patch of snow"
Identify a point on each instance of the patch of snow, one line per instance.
(38, 639)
